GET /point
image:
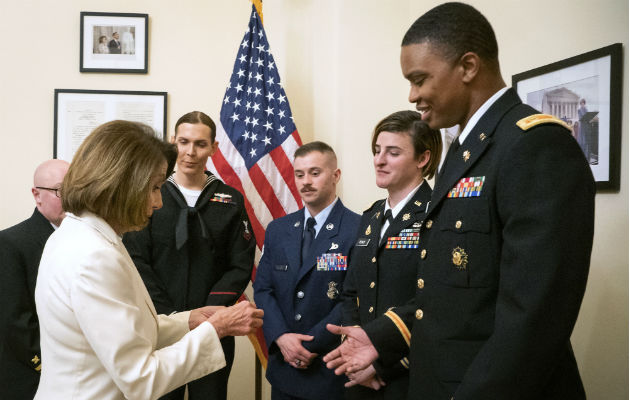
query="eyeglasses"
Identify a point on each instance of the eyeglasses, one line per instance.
(56, 190)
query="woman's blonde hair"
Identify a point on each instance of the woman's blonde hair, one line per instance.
(111, 172)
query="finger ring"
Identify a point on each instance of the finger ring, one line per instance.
(298, 362)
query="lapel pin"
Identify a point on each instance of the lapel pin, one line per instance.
(406, 217)
(482, 137)
(330, 227)
(466, 155)
(378, 214)
(297, 224)
(368, 230)
(333, 246)
(418, 203)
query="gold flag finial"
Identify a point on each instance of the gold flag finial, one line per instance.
(258, 5)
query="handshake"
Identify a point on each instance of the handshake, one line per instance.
(238, 320)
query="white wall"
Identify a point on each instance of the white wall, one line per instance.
(339, 64)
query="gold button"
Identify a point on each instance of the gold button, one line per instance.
(419, 314)
(458, 224)
(429, 224)
(371, 309)
(420, 283)
(373, 259)
(372, 284)
(423, 254)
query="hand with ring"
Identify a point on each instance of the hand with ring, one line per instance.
(298, 362)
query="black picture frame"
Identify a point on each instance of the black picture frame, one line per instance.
(128, 54)
(79, 111)
(586, 92)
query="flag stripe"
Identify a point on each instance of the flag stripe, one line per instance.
(266, 191)
(276, 180)
(285, 168)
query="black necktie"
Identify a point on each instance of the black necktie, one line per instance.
(307, 239)
(387, 216)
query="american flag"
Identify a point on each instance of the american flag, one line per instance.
(257, 136)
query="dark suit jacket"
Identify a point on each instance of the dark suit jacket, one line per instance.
(378, 287)
(114, 47)
(21, 248)
(301, 299)
(504, 272)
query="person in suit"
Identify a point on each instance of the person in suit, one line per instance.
(507, 239)
(101, 337)
(114, 44)
(300, 277)
(198, 249)
(21, 248)
(384, 259)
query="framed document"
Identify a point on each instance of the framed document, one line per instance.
(585, 92)
(78, 112)
(114, 42)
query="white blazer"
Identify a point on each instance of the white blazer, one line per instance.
(100, 335)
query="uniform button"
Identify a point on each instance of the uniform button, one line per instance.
(372, 284)
(419, 314)
(420, 283)
(423, 254)
(458, 224)
(299, 317)
(429, 224)
(300, 294)
(373, 259)
(371, 309)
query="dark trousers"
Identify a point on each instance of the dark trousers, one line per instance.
(277, 394)
(210, 387)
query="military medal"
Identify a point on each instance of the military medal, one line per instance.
(460, 258)
(406, 239)
(332, 292)
(406, 217)
(467, 187)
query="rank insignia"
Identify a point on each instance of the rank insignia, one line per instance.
(332, 292)
(297, 224)
(333, 246)
(35, 359)
(330, 227)
(466, 155)
(246, 234)
(378, 214)
(482, 137)
(332, 262)
(537, 119)
(368, 230)
(222, 198)
(418, 203)
(467, 187)
(460, 258)
(406, 217)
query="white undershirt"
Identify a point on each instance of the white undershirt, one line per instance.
(479, 113)
(190, 195)
(398, 207)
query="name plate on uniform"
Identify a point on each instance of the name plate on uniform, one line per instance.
(332, 262)
(362, 242)
(406, 239)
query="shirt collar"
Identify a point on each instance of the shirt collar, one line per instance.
(402, 203)
(479, 113)
(321, 217)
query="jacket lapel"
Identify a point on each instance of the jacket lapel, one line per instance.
(477, 142)
(410, 213)
(294, 231)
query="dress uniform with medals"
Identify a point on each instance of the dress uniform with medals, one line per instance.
(379, 287)
(302, 297)
(504, 260)
(190, 257)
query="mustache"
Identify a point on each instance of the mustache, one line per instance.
(307, 188)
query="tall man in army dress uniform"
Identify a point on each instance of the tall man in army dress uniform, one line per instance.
(508, 234)
(300, 277)
(198, 249)
(21, 248)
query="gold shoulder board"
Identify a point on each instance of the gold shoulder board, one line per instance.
(537, 119)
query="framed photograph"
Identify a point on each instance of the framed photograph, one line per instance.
(584, 91)
(78, 112)
(114, 42)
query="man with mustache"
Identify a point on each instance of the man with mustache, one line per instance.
(300, 277)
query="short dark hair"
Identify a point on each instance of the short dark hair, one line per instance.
(314, 146)
(455, 29)
(422, 136)
(110, 173)
(198, 117)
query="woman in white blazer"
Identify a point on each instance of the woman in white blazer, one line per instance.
(100, 335)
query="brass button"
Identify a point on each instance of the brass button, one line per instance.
(373, 259)
(371, 309)
(423, 254)
(420, 283)
(419, 314)
(372, 284)
(429, 224)
(458, 224)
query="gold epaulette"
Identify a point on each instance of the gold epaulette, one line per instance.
(537, 119)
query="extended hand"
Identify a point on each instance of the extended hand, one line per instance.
(356, 352)
(199, 315)
(366, 377)
(294, 353)
(241, 319)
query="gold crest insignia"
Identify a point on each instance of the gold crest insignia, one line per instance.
(368, 230)
(378, 214)
(406, 217)
(466, 155)
(460, 258)
(332, 292)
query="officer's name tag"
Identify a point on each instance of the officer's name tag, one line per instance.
(332, 262)
(281, 267)
(362, 242)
